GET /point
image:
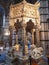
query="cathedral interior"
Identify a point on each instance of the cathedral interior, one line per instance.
(24, 32)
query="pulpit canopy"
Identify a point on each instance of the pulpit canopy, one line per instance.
(24, 11)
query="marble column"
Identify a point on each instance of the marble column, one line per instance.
(37, 37)
(24, 37)
(10, 36)
(16, 39)
(13, 36)
(26, 40)
(33, 30)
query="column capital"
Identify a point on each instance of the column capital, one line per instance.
(24, 25)
(33, 30)
(38, 27)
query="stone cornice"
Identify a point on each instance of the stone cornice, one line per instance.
(23, 16)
